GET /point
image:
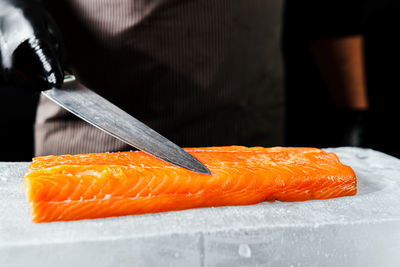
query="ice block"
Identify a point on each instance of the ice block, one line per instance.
(362, 230)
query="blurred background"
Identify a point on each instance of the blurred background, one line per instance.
(312, 32)
(312, 119)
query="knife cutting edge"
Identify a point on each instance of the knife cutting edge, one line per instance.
(104, 115)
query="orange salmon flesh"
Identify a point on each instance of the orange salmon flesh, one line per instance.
(87, 186)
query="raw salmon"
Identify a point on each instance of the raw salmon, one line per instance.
(73, 187)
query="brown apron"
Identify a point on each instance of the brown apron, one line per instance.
(200, 72)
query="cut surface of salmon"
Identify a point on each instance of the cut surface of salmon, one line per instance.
(74, 187)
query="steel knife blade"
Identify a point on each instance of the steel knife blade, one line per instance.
(109, 118)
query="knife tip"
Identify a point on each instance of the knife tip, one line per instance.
(199, 167)
(203, 170)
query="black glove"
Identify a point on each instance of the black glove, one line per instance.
(353, 127)
(31, 51)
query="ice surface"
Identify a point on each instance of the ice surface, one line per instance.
(363, 230)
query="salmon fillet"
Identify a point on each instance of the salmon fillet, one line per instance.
(74, 187)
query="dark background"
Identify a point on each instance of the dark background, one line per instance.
(380, 28)
(312, 119)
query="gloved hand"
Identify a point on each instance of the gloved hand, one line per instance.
(31, 51)
(353, 127)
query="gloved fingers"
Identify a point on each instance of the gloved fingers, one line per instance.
(353, 127)
(353, 136)
(2, 73)
(36, 66)
(32, 49)
(56, 39)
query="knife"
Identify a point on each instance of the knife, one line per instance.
(104, 115)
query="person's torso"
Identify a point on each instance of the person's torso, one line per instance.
(201, 72)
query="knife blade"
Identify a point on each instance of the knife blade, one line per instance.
(104, 115)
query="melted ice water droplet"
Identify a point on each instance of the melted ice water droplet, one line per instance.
(244, 251)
